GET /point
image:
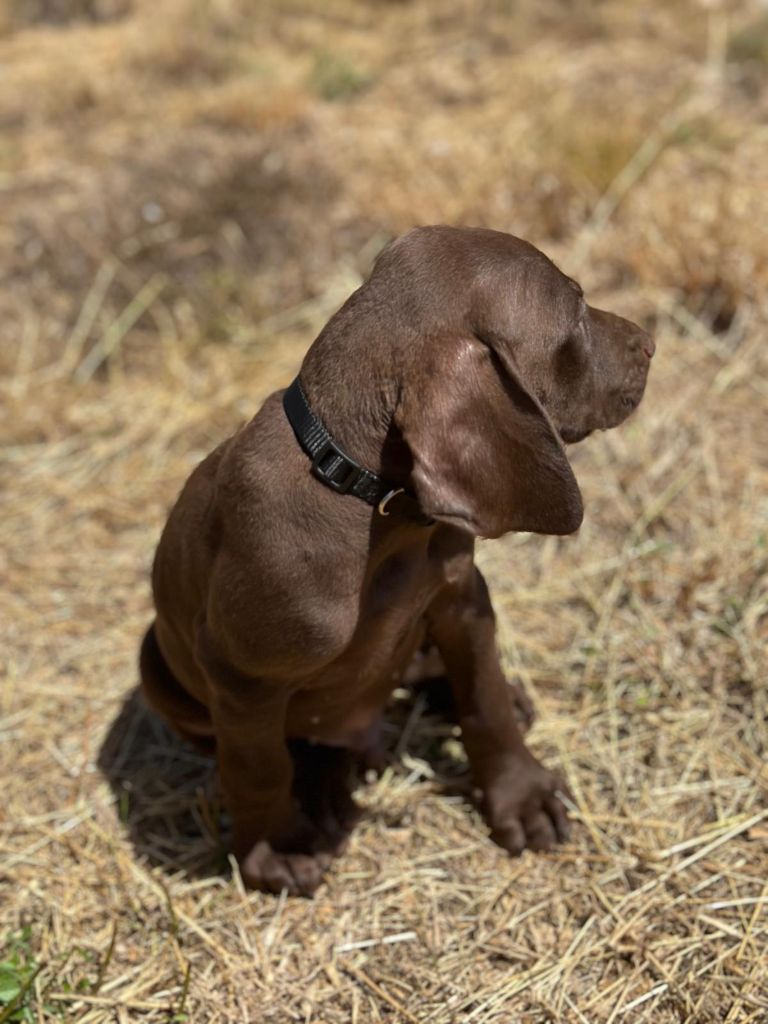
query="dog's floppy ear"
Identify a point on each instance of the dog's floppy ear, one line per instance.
(486, 456)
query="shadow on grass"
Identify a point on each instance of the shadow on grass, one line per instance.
(167, 795)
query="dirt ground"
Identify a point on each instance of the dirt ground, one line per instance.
(187, 190)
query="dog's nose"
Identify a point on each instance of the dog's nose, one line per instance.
(646, 344)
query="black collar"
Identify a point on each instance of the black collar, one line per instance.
(333, 467)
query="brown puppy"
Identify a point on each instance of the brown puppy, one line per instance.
(287, 612)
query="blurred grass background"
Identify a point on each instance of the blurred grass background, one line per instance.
(188, 189)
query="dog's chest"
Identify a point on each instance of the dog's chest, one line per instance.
(341, 701)
(402, 581)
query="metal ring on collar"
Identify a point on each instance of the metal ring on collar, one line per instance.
(387, 498)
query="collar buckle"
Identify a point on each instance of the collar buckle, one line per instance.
(334, 468)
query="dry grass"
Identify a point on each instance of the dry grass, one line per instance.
(186, 191)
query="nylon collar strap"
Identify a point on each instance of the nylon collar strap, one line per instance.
(333, 467)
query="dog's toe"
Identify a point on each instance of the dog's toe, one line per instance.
(270, 870)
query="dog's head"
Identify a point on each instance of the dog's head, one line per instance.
(506, 362)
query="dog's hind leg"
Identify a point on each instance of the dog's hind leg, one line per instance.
(164, 694)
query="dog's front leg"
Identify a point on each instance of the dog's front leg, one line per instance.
(518, 794)
(275, 845)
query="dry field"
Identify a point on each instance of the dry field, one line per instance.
(187, 189)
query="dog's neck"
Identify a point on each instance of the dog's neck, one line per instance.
(359, 418)
(352, 377)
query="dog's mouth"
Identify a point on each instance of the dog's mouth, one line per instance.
(570, 435)
(621, 408)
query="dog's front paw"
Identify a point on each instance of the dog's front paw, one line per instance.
(523, 807)
(272, 870)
